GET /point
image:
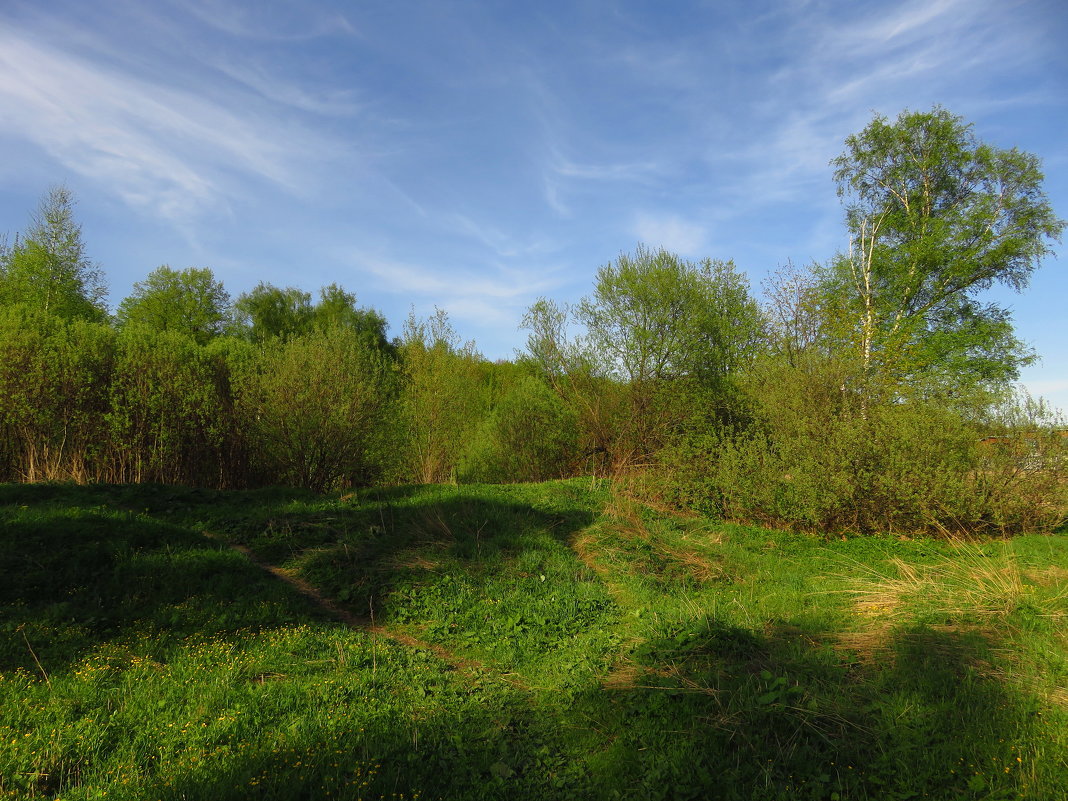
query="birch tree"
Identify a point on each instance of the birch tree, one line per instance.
(935, 218)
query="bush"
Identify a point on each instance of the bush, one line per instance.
(447, 392)
(54, 377)
(315, 408)
(171, 409)
(826, 453)
(531, 435)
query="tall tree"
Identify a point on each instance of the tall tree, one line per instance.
(936, 217)
(48, 269)
(188, 301)
(654, 316)
(445, 395)
(665, 328)
(316, 407)
(336, 307)
(268, 311)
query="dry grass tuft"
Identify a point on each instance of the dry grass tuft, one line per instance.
(876, 642)
(700, 567)
(968, 583)
(623, 677)
(410, 561)
(1047, 576)
(627, 524)
(433, 526)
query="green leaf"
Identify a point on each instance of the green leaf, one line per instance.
(501, 770)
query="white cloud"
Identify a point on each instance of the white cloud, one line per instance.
(671, 233)
(275, 87)
(505, 245)
(496, 296)
(909, 20)
(844, 65)
(154, 145)
(280, 22)
(625, 171)
(508, 284)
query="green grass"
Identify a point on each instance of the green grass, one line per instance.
(532, 641)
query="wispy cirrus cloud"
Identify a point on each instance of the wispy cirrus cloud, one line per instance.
(496, 296)
(506, 284)
(278, 21)
(846, 63)
(503, 242)
(270, 85)
(563, 177)
(154, 145)
(671, 232)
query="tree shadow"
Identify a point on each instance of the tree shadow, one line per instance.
(701, 710)
(73, 580)
(790, 713)
(84, 564)
(720, 713)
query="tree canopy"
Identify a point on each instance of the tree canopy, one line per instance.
(48, 268)
(654, 316)
(189, 301)
(936, 217)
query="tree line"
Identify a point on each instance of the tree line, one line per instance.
(869, 393)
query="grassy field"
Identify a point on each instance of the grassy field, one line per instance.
(534, 641)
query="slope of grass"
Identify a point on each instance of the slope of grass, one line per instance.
(533, 641)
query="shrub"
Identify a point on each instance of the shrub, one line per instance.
(315, 407)
(171, 409)
(531, 435)
(54, 376)
(826, 453)
(446, 395)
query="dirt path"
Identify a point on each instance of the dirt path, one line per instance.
(359, 622)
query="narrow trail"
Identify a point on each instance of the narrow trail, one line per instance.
(364, 624)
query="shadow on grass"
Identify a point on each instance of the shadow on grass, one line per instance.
(731, 716)
(708, 711)
(72, 582)
(81, 565)
(788, 715)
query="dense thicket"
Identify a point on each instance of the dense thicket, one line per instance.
(871, 393)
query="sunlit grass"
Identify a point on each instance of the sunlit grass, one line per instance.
(535, 641)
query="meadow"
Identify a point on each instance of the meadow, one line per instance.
(548, 640)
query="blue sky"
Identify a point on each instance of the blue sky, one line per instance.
(477, 155)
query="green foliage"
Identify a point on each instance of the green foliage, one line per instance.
(172, 414)
(826, 454)
(337, 309)
(576, 374)
(190, 302)
(656, 329)
(268, 312)
(315, 407)
(531, 435)
(446, 395)
(54, 378)
(653, 316)
(936, 217)
(48, 269)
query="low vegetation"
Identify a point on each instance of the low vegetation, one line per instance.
(554, 640)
